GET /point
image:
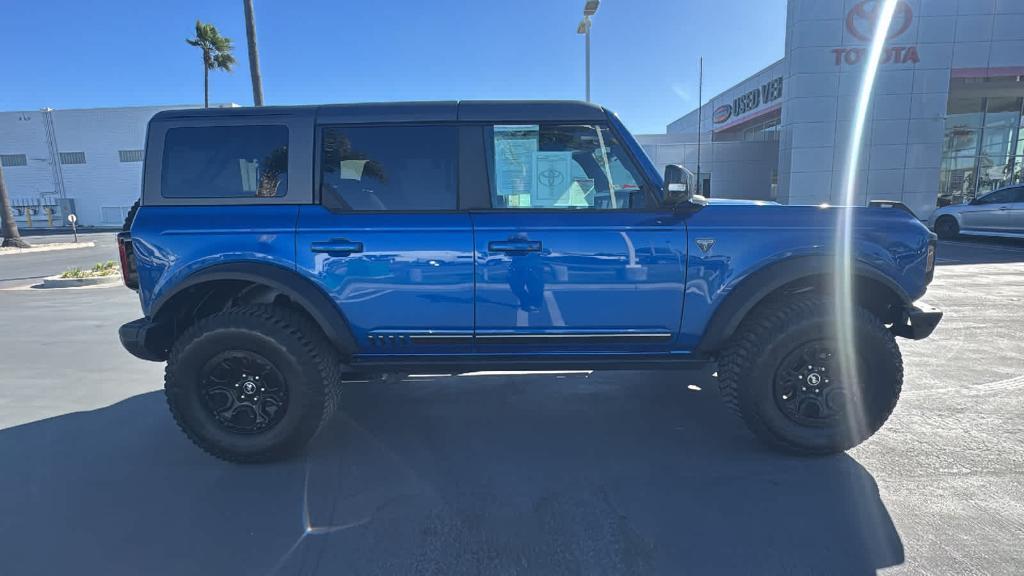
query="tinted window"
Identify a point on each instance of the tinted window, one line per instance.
(389, 168)
(997, 197)
(1018, 195)
(225, 162)
(562, 166)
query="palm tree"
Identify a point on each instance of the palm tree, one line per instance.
(8, 227)
(254, 55)
(216, 54)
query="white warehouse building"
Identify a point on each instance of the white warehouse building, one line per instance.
(86, 161)
(944, 124)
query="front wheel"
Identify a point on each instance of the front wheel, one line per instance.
(252, 384)
(947, 228)
(785, 374)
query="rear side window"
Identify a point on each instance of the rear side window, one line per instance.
(225, 162)
(394, 168)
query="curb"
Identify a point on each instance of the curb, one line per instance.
(47, 248)
(55, 282)
(66, 230)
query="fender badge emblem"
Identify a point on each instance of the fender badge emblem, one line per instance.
(705, 244)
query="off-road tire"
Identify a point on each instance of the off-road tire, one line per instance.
(747, 368)
(297, 349)
(947, 228)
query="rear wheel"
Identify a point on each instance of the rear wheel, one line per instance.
(253, 383)
(947, 228)
(785, 376)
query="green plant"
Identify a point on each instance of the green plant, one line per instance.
(105, 268)
(108, 268)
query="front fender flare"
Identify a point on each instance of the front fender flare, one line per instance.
(755, 287)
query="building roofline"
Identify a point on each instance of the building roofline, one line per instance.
(708, 101)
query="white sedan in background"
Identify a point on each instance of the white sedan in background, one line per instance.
(998, 213)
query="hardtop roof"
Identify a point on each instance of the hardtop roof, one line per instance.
(384, 112)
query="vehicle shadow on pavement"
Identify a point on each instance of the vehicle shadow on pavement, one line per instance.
(612, 473)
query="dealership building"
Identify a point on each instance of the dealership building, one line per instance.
(944, 123)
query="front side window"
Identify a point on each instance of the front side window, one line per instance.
(394, 168)
(225, 162)
(570, 166)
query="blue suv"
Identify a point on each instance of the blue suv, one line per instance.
(277, 249)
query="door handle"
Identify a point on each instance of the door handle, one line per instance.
(514, 246)
(338, 246)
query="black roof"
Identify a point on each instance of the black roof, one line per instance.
(452, 110)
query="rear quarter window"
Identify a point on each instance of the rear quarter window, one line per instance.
(225, 162)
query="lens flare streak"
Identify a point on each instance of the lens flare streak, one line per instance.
(844, 264)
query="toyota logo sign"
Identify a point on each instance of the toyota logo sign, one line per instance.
(722, 113)
(862, 19)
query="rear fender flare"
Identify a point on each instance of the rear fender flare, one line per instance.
(302, 291)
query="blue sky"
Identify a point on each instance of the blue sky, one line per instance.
(66, 54)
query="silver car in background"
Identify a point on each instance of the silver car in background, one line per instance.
(998, 213)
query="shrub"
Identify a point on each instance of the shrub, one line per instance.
(108, 268)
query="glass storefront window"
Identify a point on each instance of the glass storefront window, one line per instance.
(956, 180)
(983, 147)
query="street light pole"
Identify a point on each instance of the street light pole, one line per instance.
(589, 9)
(587, 20)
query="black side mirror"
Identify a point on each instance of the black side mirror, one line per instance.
(677, 191)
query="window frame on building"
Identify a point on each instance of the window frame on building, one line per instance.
(72, 158)
(129, 156)
(13, 160)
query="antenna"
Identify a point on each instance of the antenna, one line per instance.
(700, 106)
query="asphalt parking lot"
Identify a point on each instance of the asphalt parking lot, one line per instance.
(576, 473)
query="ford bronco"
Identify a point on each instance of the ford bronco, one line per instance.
(276, 249)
